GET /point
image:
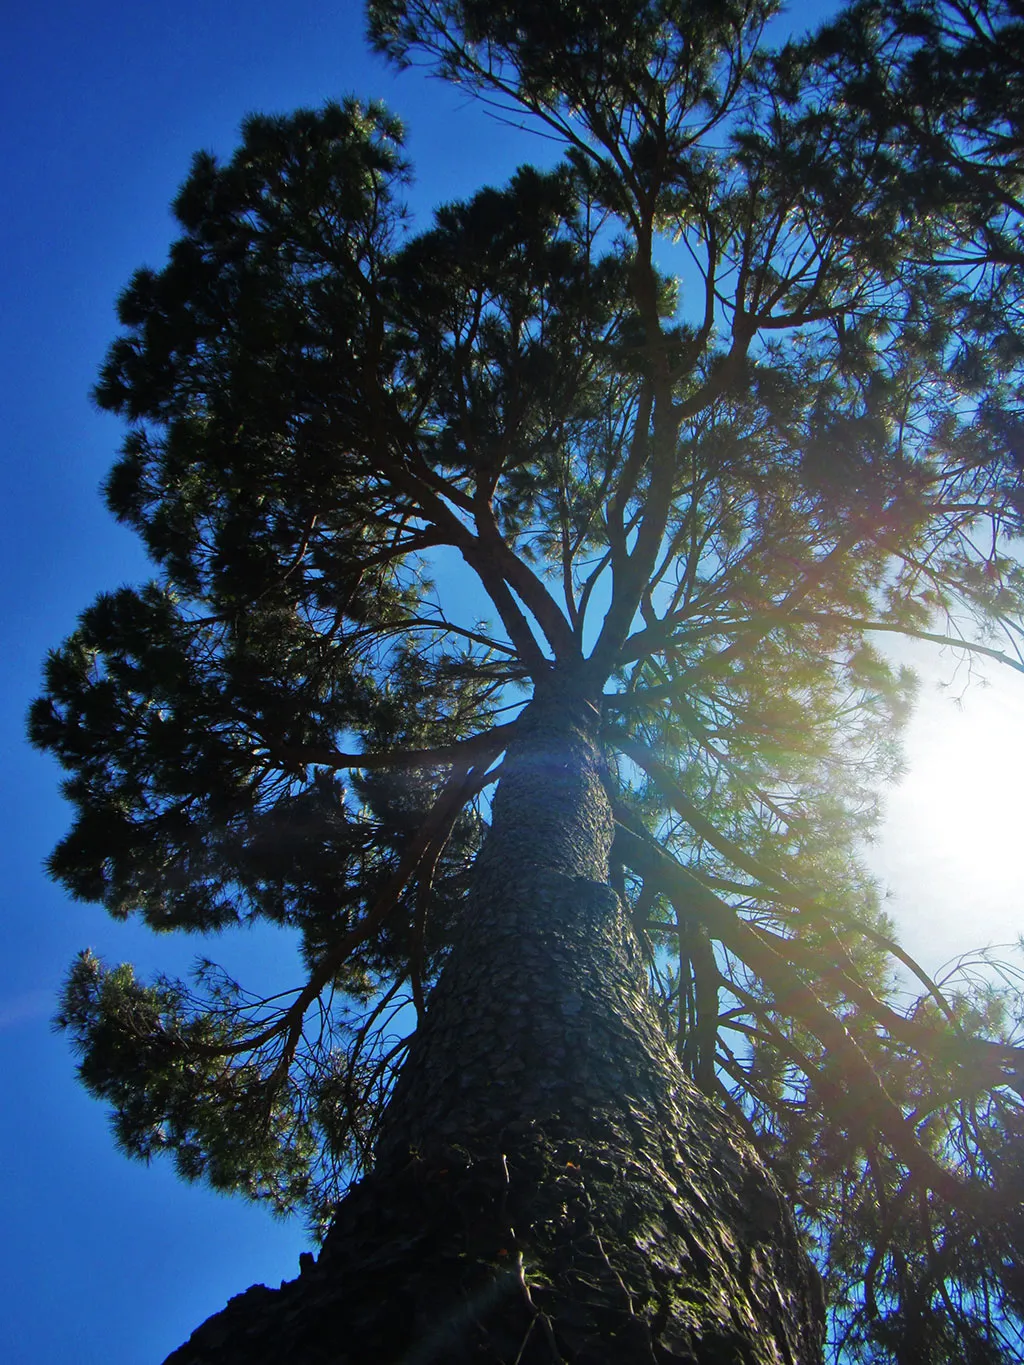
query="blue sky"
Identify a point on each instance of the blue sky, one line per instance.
(102, 105)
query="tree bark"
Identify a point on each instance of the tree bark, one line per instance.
(549, 1187)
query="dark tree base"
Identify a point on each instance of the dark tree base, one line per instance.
(546, 1251)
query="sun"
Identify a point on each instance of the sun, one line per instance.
(951, 852)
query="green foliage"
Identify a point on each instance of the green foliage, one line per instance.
(701, 495)
(162, 1069)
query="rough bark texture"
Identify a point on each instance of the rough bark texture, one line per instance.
(549, 1186)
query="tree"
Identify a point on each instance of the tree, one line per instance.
(610, 1049)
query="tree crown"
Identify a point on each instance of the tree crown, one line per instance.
(705, 411)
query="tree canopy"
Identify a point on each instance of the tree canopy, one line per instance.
(705, 413)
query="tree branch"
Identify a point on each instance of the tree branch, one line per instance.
(495, 739)
(872, 1106)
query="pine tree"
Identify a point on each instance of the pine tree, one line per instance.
(603, 1035)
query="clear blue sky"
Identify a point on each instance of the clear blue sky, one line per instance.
(102, 1260)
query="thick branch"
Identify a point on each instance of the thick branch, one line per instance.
(494, 740)
(871, 1107)
(529, 588)
(781, 887)
(1003, 1062)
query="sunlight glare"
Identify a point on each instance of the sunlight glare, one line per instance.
(949, 856)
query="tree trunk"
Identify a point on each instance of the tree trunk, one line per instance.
(549, 1186)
